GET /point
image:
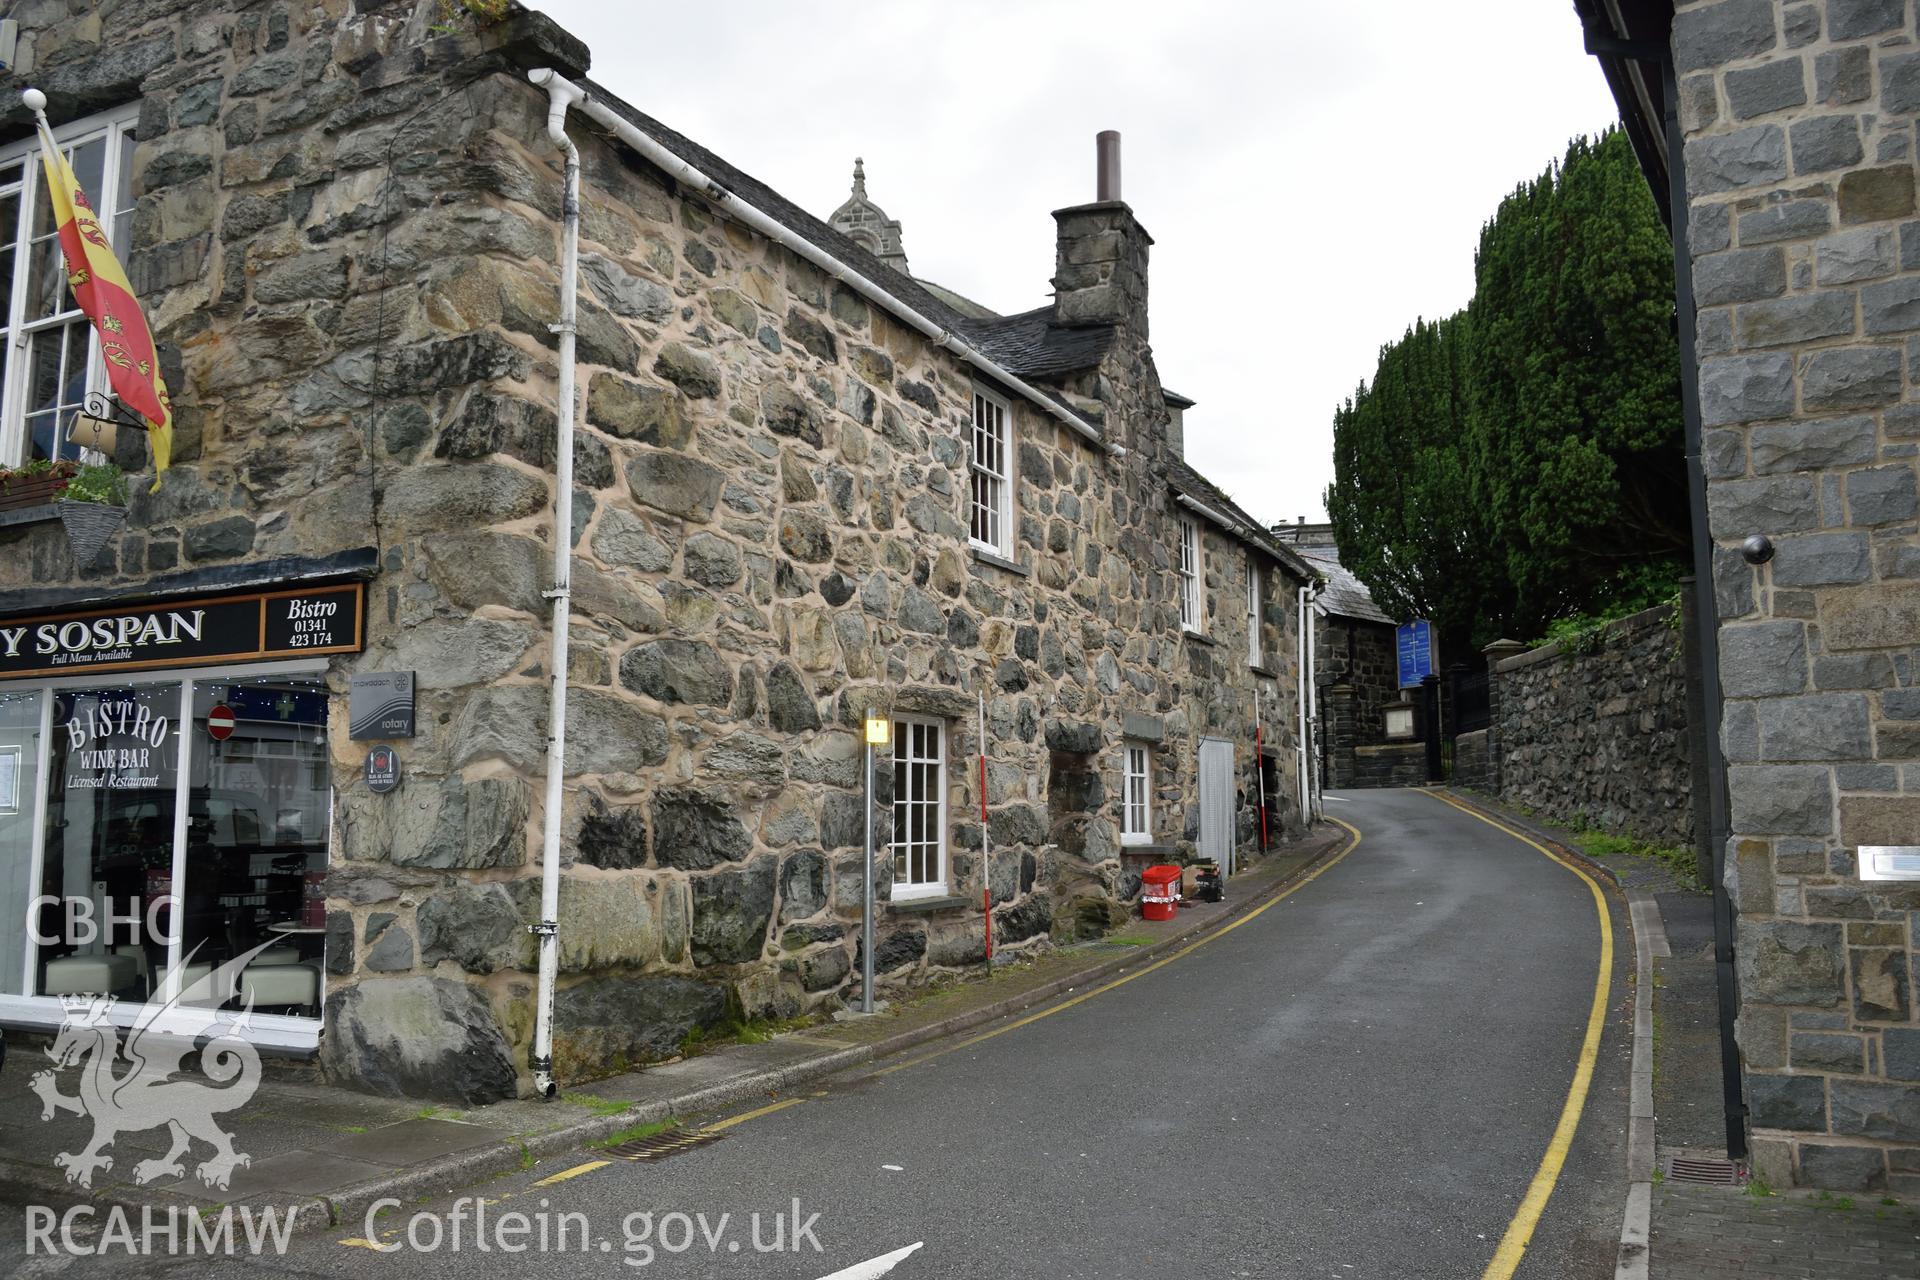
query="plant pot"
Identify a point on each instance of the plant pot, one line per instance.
(89, 526)
(31, 491)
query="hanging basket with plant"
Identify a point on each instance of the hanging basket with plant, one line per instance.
(92, 507)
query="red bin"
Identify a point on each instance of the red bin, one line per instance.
(1160, 893)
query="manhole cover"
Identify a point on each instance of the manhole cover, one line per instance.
(661, 1145)
(1715, 1171)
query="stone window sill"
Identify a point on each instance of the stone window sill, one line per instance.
(948, 902)
(1200, 637)
(999, 561)
(29, 515)
(1148, 850)
(1259, 670)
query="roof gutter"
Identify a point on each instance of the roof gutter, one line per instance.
(1233, 527)
(1293, 561)
(624, 129)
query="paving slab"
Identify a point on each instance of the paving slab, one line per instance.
(411, 1141)
(295, 1172)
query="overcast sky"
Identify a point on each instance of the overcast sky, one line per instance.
(1314, 176)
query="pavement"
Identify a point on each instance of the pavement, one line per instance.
(1703, 1232)
(320, 1155)
(1359, 1078)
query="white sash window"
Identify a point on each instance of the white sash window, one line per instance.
(49, 354)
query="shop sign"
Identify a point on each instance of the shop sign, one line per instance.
(116, 741)
(187, 632)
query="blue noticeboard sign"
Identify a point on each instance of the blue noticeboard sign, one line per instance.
(1414, 643)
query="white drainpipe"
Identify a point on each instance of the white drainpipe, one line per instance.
(600, 113)
(1313, 708)
(1300, 654)
(560, 95)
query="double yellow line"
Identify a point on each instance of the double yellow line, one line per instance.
(1519, 1233)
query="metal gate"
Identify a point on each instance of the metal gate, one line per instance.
(1216, 802)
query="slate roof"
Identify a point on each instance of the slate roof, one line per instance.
(1630, 38)
(958, 301)
(1182, 478)
(1032, 346)
(1345, 594)
(1027, 345)
(984, 334)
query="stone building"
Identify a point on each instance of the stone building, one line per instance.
(1787, 131)
(806, 487)
(1356, 675)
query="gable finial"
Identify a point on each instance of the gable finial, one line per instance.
(859, 178)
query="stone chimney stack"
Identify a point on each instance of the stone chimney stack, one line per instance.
(1100, 265)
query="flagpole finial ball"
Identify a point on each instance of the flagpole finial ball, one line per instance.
(35, 100)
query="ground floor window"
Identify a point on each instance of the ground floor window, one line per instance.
(1136, 820)
(919, 808)
(147, 822)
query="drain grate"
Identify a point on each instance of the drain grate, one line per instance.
(661, 1145)
(1712, 1171)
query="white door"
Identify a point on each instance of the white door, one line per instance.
(1216, 802)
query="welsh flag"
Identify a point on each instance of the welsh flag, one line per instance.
(101, 289)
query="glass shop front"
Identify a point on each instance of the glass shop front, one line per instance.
(165, 808)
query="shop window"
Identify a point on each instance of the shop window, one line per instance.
(112, 795)
(20, 730)
(256, 841)
(49, 353)
(186, 822)
(919, 809)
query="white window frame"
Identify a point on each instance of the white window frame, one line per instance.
(993, 425)
(267, 1030)
(28, 182)
(1191, 568)
(1254, 654)
(897, 847)
(1136, 806)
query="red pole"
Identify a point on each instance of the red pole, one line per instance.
(986, 850)
(1260, 772)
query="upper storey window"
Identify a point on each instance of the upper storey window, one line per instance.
(1253, 611)
(49, 354)
(991, 469)
(1189, 575)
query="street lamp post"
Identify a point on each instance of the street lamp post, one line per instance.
(878, 732)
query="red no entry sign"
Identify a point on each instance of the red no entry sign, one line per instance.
(220, 722)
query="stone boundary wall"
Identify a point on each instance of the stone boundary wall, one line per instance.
(1390, 764)
(1472, 760)
(1599, 739)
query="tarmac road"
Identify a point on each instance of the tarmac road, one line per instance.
(1359, 1081)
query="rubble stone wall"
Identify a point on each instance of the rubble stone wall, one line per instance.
(347, 239)
(1599, 738)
